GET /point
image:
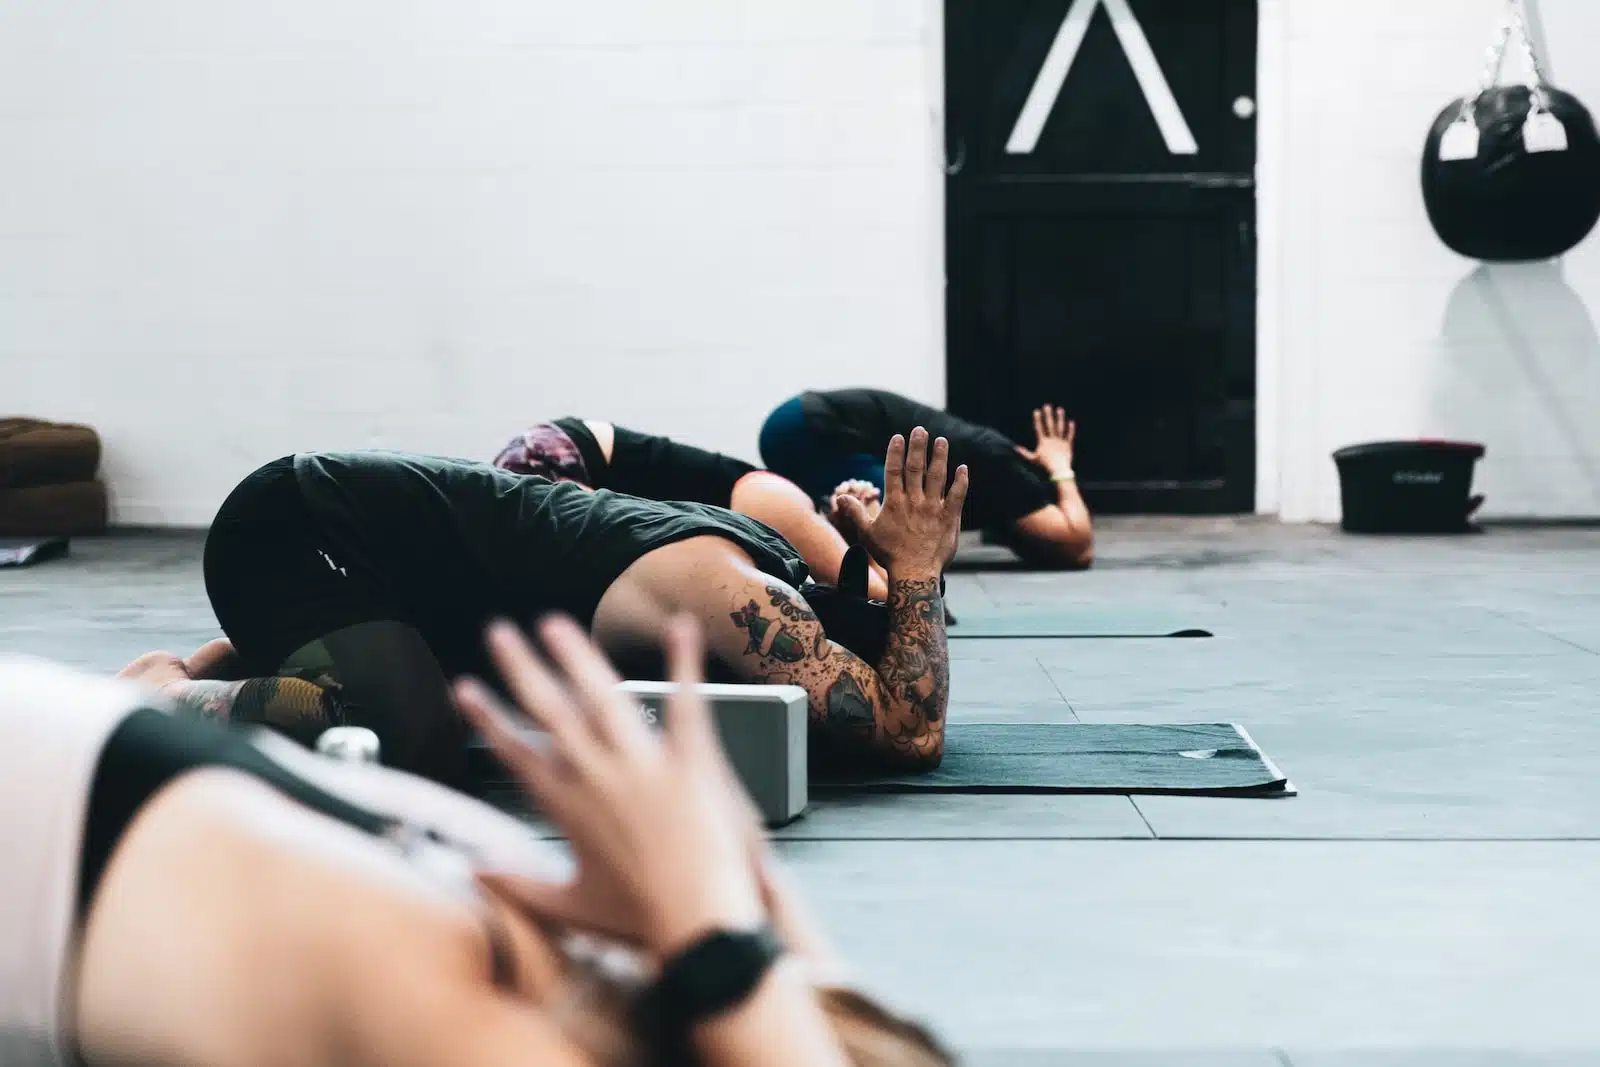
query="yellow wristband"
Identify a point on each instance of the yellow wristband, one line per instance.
(1067, 477)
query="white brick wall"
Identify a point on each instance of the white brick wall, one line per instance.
(1370, 327)
(231, 230)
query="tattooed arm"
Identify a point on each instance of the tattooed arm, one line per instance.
(297, 707)
(892, 711)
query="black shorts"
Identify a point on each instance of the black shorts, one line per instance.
(272, 584)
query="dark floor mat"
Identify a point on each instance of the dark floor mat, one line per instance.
(1079, 621)
(981, 557)
(21, 551)
(1202, 759)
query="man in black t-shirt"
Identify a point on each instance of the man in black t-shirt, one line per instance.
(828, 444)
(602, 455)
(353, 586)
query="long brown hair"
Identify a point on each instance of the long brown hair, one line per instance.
(594, 1016)
(873, 1036)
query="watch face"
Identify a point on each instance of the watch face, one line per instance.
(717, 973)
(732, 964)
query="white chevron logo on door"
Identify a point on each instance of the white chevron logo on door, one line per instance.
(1053, 74)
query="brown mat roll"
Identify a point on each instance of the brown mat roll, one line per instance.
(53, 510)
(34, 452)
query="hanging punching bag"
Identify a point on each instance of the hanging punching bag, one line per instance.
(1512, 173)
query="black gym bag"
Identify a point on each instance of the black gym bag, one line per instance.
(1512, 173)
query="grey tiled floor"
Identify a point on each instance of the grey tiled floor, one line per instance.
(1429, 900)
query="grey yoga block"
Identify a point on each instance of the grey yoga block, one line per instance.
(763, 729)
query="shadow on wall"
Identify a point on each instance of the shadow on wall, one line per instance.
(1518, 368)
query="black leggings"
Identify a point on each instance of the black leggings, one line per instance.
(293, 609)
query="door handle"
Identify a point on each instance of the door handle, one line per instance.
(952, 169)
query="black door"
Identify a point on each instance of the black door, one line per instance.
(1101, 237)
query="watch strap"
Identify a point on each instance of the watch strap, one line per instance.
(714, 974)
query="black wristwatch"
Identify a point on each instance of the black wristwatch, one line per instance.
(700, 982)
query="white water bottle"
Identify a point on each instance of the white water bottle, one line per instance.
(349, 744)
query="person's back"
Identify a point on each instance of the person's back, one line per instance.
(603, 455)
(827, 441)
(465, 542)
(1005, 486)
(653, 466)
(439, 545)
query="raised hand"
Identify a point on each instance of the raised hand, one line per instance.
(917, 528)
(1054, 434)
(662, 855)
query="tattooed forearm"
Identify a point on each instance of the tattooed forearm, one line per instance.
(916, 663)
(297, 707)
(205, 699)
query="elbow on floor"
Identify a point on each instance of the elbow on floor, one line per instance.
(1056, 555)
(925, 752)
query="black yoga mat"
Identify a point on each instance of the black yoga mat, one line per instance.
(1080, 621)
(21, 551)
(1202, 759)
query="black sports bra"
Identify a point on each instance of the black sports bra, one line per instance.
(151, 748)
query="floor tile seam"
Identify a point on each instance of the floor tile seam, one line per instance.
(1037, 662)
(1524, 624)
(1133, 802)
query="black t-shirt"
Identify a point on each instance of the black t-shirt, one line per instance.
(455, 543)
(1003, 486)
(657, 468)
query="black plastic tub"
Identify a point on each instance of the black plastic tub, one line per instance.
(1408, 487)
